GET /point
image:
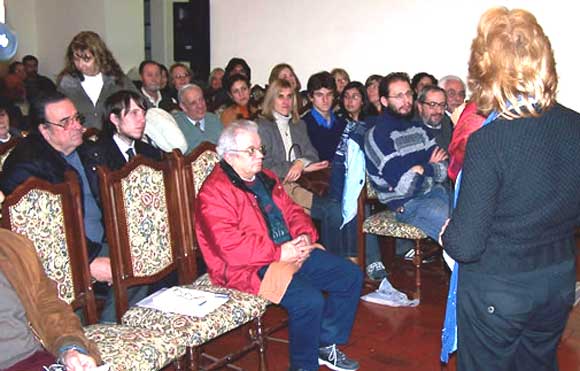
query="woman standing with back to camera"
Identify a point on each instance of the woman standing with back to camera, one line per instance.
(512, 231)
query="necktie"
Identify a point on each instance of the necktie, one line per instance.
(130, 153)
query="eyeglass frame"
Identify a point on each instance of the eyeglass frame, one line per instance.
(400, 96)
(78, 117)
(251, 151)
(435, 104)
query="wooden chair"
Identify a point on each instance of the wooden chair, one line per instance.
(384, 223)
(50, 216)
(194, 169)
(145, 230)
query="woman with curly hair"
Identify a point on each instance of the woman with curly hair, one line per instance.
(512, 231)
(91, 74)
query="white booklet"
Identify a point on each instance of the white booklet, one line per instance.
(185, 301)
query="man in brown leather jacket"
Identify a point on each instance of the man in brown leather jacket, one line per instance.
(33, 320)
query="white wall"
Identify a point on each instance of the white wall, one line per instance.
(46, 27)
(376, 36)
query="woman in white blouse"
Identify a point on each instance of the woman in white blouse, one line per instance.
(90, 76)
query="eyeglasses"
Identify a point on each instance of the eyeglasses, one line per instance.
(400, 96)
(181, 76)
(435, 104)
(251, 151)
(66, 122)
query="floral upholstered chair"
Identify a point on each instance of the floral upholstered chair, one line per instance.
(384, 223)
(146, 231)
(50, 216)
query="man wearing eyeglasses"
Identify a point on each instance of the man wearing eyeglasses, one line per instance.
(405, 166)
(255, 239)
(432, 102)
(54, 146)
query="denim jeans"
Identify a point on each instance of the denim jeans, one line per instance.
(341, 242)
(315, 319)
(427, 212)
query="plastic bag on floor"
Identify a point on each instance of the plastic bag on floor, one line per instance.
(386, 294)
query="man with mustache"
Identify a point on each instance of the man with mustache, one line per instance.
(404, 164)
(431, 105)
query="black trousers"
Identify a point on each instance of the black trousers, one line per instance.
(513, 321)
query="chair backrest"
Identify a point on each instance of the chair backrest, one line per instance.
(143, 224)
(5, 149)
(193, 169)
(50, 216)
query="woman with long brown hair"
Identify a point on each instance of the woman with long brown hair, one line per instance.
(91, 74)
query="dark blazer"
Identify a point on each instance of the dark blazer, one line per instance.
(115, 160)
(277, 158)
(33, 156)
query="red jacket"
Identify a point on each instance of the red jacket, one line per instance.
(232, 233)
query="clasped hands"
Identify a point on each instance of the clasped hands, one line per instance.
(296, 250)
(298, 168)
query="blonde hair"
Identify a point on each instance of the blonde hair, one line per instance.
(273, 90)
(512, 65)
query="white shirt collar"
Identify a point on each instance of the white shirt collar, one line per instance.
(123, 146)
(201, 122)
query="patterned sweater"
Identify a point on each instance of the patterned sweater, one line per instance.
(392, 147)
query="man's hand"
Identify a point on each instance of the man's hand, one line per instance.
(418, 169)
(75, 361)
(315, 166)
(294, 172)
(438, 155)
(296, 250)
(101, 269)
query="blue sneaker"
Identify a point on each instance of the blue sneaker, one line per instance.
(334, 359)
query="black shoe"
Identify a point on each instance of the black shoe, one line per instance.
(334, 359)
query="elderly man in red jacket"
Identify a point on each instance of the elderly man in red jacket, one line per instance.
(254, 238)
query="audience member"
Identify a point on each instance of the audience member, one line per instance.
(36, 327)
(238, 88)
(431, 104)
(341, 78)
(34, 83)
(324, 128)
(284, 71)
(180, 76)
(214, 86)
(236, 66)
(420, 80)
(150, 74)
(90, 76)
(372, 86)
(455, 89)
(512, 232)
(404, 165)
(348, 174)
(54, 146)
(196, 124)
(123, 130)
(268, 250)
(285, 139)
(14, 89)
(7, 131)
